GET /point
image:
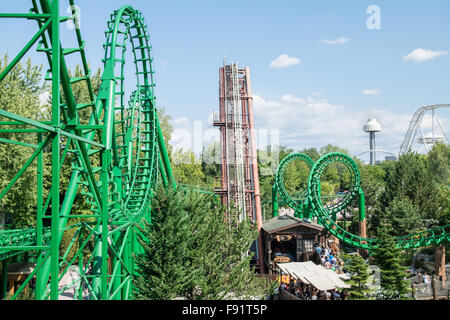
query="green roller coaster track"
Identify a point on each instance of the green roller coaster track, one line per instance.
(310, 204)
(116, 156)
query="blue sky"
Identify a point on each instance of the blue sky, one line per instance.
(317, 101)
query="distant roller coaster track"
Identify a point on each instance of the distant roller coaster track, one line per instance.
(415, 125)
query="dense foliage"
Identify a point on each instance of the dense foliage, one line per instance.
(357, 267)
(191, 252)
(393, 276)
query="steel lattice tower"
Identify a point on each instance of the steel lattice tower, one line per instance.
(240, 181)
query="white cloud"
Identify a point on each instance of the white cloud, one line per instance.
(284, 61)
(340, 40)
(420, 55)
(372, 91)
(315, 122)
(183, 121)
(181, 139)
(289, 98)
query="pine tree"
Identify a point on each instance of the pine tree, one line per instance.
(388, 258)
(357, 267)
(164, 267)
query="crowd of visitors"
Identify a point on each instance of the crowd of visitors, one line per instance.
(326, 257)
(423, 278)
(307, 292)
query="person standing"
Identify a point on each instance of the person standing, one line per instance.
(318, 250)
(419, 277)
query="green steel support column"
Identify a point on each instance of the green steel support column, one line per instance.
(127, 261)
(137, 235)
(334, 216)
(298, 214)
(106, 158)
(362, 214)
(135, 247)
(274, 200)
(306, 210)
(56, 119)
(362, 221)
(97, 263)
(165, 155)
(40, 285)
(362, 205)
(80, 263)
(117, 238)
(345, 218)
(71, 191)
(116, 267)
(162, 171)
(24, 50)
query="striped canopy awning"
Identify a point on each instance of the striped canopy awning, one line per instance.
(316, 275)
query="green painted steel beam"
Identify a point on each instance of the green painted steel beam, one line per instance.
(48, 128)
(18, 143)
(27, 47)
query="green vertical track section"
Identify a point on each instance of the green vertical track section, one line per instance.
(296, 203)
(114, 157)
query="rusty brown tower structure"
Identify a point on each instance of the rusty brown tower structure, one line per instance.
(239, 188)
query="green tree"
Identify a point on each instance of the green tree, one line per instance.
(357, 267)
(410, 178)
(329, 148)
(438, 161)
(164, 268)
(409, 184)
(388, 257)
(166, 128)
(211, 164)
(186, 168)
(191, 252)
(312, 153)
(404, 216)
(372, 183)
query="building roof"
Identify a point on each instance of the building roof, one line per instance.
(279, 223)
(316, 275)
(21, 268)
